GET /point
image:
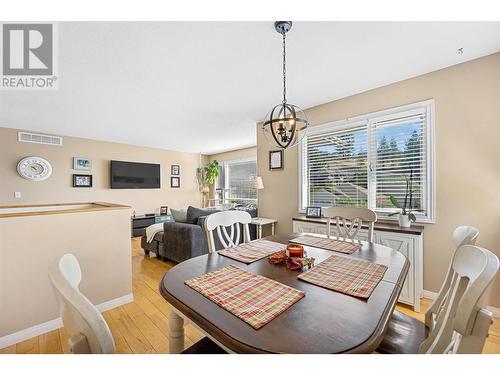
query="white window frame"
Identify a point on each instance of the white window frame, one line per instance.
(226, 165)
(368, 119)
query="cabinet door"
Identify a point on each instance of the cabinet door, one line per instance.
(304, 227)
(404, 245)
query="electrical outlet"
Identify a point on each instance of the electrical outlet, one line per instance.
(17, 194)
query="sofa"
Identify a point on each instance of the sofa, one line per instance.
(181, 241)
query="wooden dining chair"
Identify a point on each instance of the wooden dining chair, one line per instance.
(461, 325)
(352, 219)
(219, 223)
(462, 235)
(87, 329)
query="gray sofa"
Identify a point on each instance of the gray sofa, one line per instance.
(181, 241)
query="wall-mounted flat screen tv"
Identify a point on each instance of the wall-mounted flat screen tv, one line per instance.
(129, 175)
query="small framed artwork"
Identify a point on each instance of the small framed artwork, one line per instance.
(275, 160)
(313, 212)
(163, 210)
(83, 164)
(175, 170)
(82, 180)
(175, 182)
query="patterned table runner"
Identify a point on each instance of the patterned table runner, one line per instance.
(346, 275)
(327, 244)
(253, 298)
(252, 251)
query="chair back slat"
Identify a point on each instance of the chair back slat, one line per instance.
(355, 216)
(219, 223)
(462, 235)
(460, 322)
(87, 329)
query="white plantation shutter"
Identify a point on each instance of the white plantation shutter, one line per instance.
(363, 161)
(337, 168)
(400, 148)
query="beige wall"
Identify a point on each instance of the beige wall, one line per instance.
(232, 155)
(58, 188)
(467, 123)
(29, 244)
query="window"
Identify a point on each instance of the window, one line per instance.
(361, 162)
(237, 181)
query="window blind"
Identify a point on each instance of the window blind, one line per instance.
(363, 161)
(399, 146)
(238, 177)
(337, 168)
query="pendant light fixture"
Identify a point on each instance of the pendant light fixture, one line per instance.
(284, 124)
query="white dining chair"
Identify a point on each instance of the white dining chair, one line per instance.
(219, 223)
(462, 324)
(87, 329)
(462, 235)
(351, 218)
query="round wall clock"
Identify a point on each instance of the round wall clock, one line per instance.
(34, 168)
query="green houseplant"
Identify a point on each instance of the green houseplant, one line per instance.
(211, 172)
(405, 212)
(206, 177)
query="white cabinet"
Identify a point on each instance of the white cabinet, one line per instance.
(410, 244)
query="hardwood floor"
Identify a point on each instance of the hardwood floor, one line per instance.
(142, 326)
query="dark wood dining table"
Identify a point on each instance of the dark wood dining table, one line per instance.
(324, 321)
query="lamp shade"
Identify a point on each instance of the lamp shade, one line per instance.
(257, 183)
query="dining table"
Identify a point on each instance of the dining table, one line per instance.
(324, 321)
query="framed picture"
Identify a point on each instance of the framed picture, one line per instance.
(313, 212)
(83, 164)
(276, 160)
(82, 180)
(175, 182)
(175, 170)
(163, 210)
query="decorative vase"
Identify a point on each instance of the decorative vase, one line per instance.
(404, 221)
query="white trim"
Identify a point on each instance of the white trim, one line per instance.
(432, 296)
(429, 295)
(369, 119)
(30, 332)
(51, 325)
(494, 310)
(113, 303)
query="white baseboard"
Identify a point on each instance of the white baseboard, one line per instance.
(432, 295)
(111, 304)
(494, 310)
(428, 294)
(51, 325)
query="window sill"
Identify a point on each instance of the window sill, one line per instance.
(384, 217)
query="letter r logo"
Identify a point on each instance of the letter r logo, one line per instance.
(27, 49)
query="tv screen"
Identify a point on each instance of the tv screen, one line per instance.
(128, 175)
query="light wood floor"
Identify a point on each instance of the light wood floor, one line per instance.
(142, 326)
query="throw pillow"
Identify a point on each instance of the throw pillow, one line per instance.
(194, 213)
(179, 215)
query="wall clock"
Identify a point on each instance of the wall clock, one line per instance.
(34, 168)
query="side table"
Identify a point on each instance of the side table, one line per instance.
(260, 222)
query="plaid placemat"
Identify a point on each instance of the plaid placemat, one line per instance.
(253, 298)
(252, 251)
(328, 244)
(346, 275)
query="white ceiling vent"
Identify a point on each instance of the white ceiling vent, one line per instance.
(39, 138)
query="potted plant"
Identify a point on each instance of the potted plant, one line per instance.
(206, 177)
(405, 212)
(211, 172)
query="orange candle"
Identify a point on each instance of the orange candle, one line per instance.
(295, 251)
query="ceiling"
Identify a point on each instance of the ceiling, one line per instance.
(201, 86)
